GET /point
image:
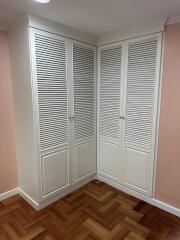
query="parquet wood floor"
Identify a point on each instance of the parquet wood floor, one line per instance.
(93, 212)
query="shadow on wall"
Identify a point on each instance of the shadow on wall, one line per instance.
(8, 166)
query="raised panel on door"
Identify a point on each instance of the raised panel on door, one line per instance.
(55, 168)
(84, 111)
(49, 61)
(110, 111)
(142, 82)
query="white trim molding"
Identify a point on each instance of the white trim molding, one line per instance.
(173, 20)
(152, 201)
(28, 199)
(158, 111)
(9, 194)
(137, 31)
(164, 206)
(47, 202)
(59, 29)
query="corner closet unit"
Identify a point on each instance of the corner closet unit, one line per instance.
(55, 104)
(128, 82)
(54, 90)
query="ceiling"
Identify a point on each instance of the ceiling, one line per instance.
(95, 17)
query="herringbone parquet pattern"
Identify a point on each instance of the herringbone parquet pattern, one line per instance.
(94, 212)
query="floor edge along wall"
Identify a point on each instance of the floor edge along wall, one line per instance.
(152, 201)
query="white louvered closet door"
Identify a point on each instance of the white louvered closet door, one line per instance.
(142, 82)
(84, 111)
(110, 111)
(49, 59)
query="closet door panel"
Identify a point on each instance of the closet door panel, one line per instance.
(136, 168)
(84, 110)
(49, 66)
(110, 105)
(109, 159)
(140, 112)
(84, 159)
(55, 168)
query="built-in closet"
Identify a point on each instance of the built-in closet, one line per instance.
(55, 104)
(79, 105)
(129, 74)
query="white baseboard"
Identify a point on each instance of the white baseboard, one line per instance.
(152, 201)
(9, 193)
(28, 199)
(164, 206)
(56, 197)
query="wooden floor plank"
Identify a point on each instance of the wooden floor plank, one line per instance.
(94, 212)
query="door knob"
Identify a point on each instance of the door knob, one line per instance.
(71, 118)
(121, 117)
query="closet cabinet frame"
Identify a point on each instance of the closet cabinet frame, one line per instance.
(70, 93)
(157, 93)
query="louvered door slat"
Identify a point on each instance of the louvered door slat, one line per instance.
(83, 71)
(52, 91)
(141, 80)
(110, 87)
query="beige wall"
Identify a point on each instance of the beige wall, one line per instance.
(8, 168)
(168, 165)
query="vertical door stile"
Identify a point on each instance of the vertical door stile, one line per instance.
(122, 101)
(70, 84)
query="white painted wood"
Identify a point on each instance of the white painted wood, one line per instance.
(158, 112)
(47, 168)
(26, 144)
(46, 202)
(83, 112)
(59, 29)
(49, 53)
(140, 110)
(9, 194)
(29, 199)
(55, 172)
(109, 164)
(49, 61)
(136, 169)
(85, 159)
(110, 91)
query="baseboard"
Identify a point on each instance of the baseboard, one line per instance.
(56, 197)
(9, 193)
(28, 199)
(74, 187)
(164, 206)
(152, 201)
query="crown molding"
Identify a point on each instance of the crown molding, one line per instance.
(141, 30)
(59, 29)
(172, 20)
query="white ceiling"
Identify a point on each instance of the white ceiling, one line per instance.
(96, 17)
